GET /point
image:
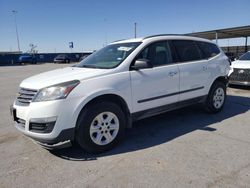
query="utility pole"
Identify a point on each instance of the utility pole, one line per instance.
(105, 31)
(17, 37)
(216, 37)
(135, 29)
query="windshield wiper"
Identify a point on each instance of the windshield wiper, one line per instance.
(89, 66)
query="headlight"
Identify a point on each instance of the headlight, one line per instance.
(59, 91)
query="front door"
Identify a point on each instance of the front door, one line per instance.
(157, 86)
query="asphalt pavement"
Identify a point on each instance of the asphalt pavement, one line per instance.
(182, 148)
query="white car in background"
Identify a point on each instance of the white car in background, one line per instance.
(240, 71)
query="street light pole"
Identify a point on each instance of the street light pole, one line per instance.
(17, 37)
(135, 29)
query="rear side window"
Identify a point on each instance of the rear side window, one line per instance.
(187, 50)
(209, 50)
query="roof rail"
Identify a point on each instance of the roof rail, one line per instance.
(159, 35)
(118, 40)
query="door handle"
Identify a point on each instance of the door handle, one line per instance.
(172, 73)
(204, 68)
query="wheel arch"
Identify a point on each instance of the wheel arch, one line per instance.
(223, 79)
(111, 98)
(209, 104)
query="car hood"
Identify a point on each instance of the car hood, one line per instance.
(61, 75)
(241, 64)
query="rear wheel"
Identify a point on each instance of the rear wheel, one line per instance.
(216, 97)
(100, 127)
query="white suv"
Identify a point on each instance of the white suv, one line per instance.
(94, 101)
(240, 71)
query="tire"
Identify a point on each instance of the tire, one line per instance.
(93, 131)
(216, 98)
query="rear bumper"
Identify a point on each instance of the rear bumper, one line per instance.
(59, 61)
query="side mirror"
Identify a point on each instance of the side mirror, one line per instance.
(141, 64)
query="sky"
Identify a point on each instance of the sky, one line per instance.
(91, 24)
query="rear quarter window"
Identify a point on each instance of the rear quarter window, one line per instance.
(187, 50)
(209, 49)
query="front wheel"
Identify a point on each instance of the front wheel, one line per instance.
(216, 98)
(100, 127)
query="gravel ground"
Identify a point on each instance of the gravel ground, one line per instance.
(183, 148)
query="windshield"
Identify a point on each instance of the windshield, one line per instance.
(245, 57)
(109, 57)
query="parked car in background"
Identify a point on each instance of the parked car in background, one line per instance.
(83, 57)
(27, 59)
(240, 71)
(62, 58)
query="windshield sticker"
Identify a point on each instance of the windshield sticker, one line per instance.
(124, 48)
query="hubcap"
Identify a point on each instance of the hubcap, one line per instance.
(104, 128)
(219, 97)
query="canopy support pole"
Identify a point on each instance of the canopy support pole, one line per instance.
(246, 45)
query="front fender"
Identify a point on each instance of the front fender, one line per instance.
(93, 95)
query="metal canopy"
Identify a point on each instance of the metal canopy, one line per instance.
(234, 32)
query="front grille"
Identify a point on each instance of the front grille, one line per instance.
(242, 75)
(25, 96)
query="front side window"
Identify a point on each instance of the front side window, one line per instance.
(187, 50)
(109, 57)
(245, 57)
(157, 53)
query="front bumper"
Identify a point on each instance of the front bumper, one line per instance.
(57, 117)
(59, 145)
(240, 76)
(242, 83)
(60, 61)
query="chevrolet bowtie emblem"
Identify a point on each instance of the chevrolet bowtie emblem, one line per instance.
(241, 71)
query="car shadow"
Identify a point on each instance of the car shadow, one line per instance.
(163, 128)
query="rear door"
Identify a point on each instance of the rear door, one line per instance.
(193, 69)
(157, 86)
